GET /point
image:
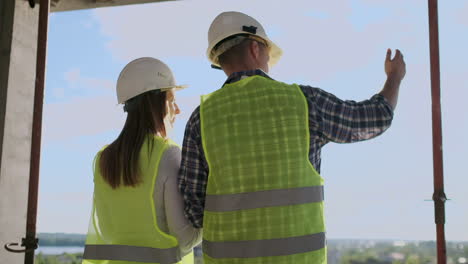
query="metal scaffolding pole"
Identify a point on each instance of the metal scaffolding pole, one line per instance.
(44, 6)
(439, 194)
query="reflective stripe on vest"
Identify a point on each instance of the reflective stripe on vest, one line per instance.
(260, 199)
(264, 248)
(131, 253)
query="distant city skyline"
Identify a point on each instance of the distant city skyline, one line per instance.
(338, 250)
(373, 190)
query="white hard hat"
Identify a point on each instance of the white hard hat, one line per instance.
(229, 24)
(143, 75)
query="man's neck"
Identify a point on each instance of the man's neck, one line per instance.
(228, 70)
(239, 69)
(236, 76)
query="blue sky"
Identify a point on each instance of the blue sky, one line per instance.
(374, 189)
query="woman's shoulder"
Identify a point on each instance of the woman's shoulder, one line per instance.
(167, 142)
(170, 163)
(172, 153)
(99, 153)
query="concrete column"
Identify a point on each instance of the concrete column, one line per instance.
(18, 45)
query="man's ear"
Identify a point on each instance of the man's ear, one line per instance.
(254, 49)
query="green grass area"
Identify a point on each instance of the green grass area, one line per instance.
(58, 259)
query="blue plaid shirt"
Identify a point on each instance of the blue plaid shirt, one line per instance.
(330, 120)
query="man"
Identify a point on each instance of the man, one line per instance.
(251, 153)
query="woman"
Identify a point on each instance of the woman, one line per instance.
(137, 210)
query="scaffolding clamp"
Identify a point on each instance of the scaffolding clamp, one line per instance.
(439, 199)
(29, 244)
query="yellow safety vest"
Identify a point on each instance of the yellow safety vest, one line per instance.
(264, 199)
(123, 228)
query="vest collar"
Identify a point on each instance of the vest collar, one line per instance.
(237, 76)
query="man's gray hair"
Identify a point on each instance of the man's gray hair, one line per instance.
(227, 45)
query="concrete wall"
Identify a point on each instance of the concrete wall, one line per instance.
(18, 41)
(18, 46)
(66, 5)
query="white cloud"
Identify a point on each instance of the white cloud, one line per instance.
(64, 212)
(88, 23)
(461, 16)
(81, 116)
(58, 93)
(66, 196)
(72, 76)
(78, 85)
(86, 106)
(180, 28)
(313, 45)
(93, 84)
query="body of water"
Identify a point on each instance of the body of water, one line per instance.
(45, 250)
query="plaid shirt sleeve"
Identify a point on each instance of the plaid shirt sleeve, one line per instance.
(330, 119)
(341, 121)
(193, 176)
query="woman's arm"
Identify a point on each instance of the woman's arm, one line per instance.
(178, 225)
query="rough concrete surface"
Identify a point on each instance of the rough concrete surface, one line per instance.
(18, 101)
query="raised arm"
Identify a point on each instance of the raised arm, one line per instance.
(395, 69)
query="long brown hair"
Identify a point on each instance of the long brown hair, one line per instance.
(119, 160)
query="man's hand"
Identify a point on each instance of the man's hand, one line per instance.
(395, 70)
(396, 67)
